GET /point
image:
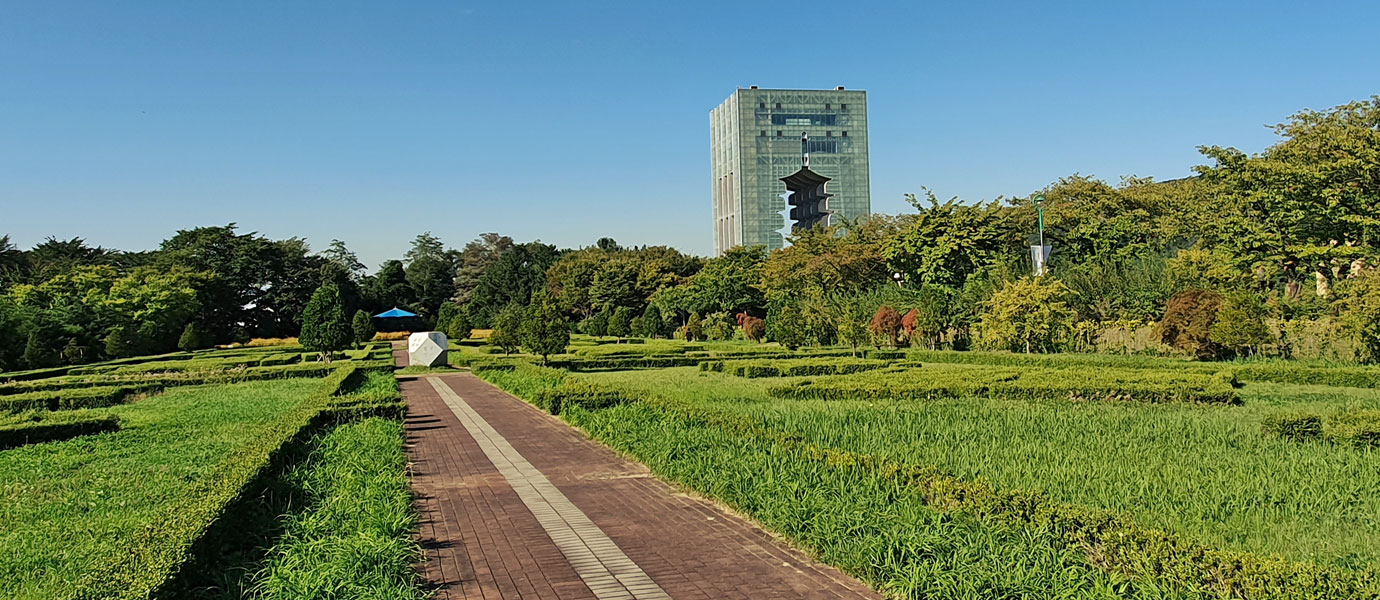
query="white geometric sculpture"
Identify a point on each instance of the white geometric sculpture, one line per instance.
(428, 349)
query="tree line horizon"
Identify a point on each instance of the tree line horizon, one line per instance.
(1269, 254)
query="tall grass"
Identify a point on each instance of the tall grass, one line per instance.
(1205, 472)
(355, 540)
(862, 522)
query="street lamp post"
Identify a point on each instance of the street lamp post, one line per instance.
(1039, 254)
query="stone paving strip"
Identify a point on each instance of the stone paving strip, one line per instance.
(515, 503)
(608, 572)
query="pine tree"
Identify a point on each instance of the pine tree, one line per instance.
(121, 343)
(446, 314)
(362, 326)
(325, 329)
(36, 354)
(653, 326)
(620, 324)
(597, 325)
(191, 338)
(459, 326)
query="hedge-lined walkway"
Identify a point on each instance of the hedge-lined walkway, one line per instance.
(516, 504)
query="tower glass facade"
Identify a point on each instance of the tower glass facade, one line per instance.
(755, 141)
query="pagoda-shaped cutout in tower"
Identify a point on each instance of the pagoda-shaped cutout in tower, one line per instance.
(808, 200)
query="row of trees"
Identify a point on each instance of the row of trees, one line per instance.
(1286, 239)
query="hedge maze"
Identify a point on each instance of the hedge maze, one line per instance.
(1013, 458)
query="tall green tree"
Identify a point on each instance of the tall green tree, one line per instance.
(362, 327)
(620, 323)
(507, 329)
(474, 259)
(598, 324)
(1310, 203)
(545, 331)
(694, 328)
(425, 246)
(432, 278)
(38, 352)
(849, 316)
(729, 283)
(325, 328)
(946, 243)
(459, 327)
(12, 337)
(345, 258)
(390, 287)
(260, 284)
(511, 279)
(929, 315)
(652, 325)
(191, 339)
(446, 314)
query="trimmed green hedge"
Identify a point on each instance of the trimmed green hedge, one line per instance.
(71, 399)
(1360, 429)
(920, 384)
(580, 393)
(282, 358)
(1293, 426)
(92, 370)
(33, 374)
(152, 556)
(181, 378)
(133, 360)
(524, 380)
(641, 362)
(1275, 371)
(56, 426)
(195, 364)
(794, 367)
(771, 352)
(1028, 384)
(1364, 377)
(1125, 385)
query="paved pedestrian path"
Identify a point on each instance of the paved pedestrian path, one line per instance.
(516, 504)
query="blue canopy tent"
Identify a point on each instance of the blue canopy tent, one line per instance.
(399, 320)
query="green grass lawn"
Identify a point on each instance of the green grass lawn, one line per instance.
(333, 518)
(1204, 471)
(65, 506)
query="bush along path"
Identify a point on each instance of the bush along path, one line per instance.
(514, 503)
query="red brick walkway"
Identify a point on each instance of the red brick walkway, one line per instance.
(482, 541)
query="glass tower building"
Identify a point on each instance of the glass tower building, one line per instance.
(755, 137)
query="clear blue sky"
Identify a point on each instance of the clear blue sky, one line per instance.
(373, 121)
